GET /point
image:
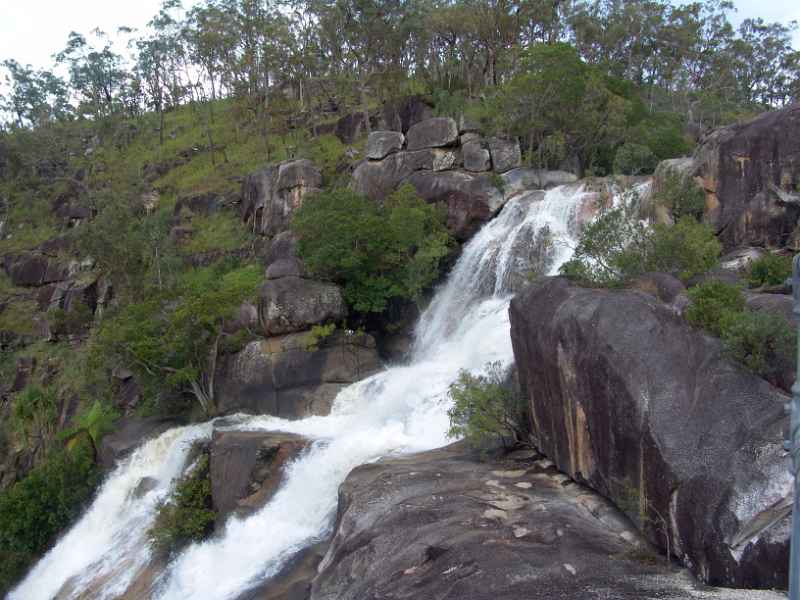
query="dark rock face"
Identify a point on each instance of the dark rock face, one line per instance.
(432, 133)
(381, 144)
(283, 376)
(271, 195)
(32, 270)
(506, 154)
(647, 411)
(401, 115)
(471, 200)
(751, 173)
(246, 467)
(292, 304)
(378, 179)
(440, 525)
(476, 157)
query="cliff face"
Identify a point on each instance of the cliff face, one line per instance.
(629, 399)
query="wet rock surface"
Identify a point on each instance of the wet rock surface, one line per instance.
(285, 377)
(628, 398)
(246, 468)
(442, 525)
(291, 304)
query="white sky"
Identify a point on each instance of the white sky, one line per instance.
(31, 31)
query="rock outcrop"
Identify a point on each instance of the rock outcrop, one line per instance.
(435, 151)
(442, 525)
(271, 195)
(628, 398)
(246, 468)
(291, 304)
(751, 174)
(285, 376)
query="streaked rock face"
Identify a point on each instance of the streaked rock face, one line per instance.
(627, 397)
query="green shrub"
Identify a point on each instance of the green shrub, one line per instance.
(712, 303)
(220, 232)
(763, 342)
(634, 159)
(35, 414)
(485, 410)
(617, 247)
(686, 249)
(377, 252)
(317, 334)
(680, 195)
(770, 269)
(36, 509)
(70, 322)
(187, 516)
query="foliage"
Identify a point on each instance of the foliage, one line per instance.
(36, 509)
(770, 269)
(376, 251)
(171, 338)
(187, 516)
(763, 342)
(634, 159)
(318, 334)
(712, 302)
(617, 247)
(485, 410)
(680, 195)
(70, 322)
(35, 412)
(219, 232)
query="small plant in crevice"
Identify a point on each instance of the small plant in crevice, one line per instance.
(187, 515)
(486, 410)
(318, 334)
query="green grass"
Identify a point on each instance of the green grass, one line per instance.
(222, 231)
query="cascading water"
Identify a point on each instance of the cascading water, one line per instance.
(402, 409)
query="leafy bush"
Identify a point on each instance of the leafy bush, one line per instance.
(317, 334)
(173, 336)
(617, 246)
(35, 413)
(36, 509)
(712, 303)
(70, 322)
(377, 252)
(187, 516)
(763, 342)
(485, 409)
(220, 232)
(634, 159)
(770, 269)
(680, 195)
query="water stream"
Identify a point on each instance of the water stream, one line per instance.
(399, 410)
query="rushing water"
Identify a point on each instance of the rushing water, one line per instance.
(402, 409)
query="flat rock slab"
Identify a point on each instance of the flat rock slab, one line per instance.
(441, 525)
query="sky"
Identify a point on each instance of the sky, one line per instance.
(31, 31)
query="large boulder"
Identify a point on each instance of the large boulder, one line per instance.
(506, 154)
(381, 144)
(293, 304)
(443, 525)
(246, 468)
(28, 269)
(471, 200)
(378, 179)
(294, 376)
(476, 157)
(432, 133)
(751, 173)
(271, 195)
(628, 398)
(523, 179)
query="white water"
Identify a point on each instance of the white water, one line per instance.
(402, 409)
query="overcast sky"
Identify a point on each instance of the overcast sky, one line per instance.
(31, 31)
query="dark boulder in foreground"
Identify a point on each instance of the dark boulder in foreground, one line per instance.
(625, 396)
(442, 525)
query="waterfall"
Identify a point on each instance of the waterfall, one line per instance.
(399, 410)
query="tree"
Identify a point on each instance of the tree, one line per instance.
(485, 409)
(36, 97)
(173, 336)
(376, 251)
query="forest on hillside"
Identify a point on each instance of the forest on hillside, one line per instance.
(128, 260)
